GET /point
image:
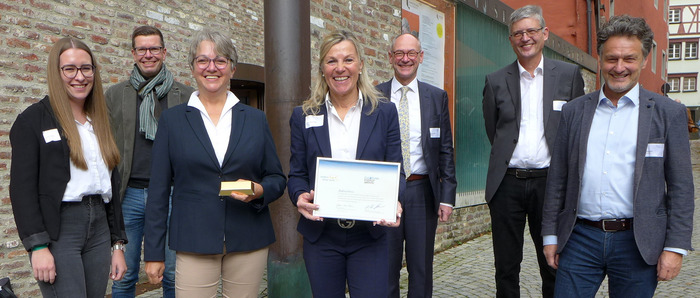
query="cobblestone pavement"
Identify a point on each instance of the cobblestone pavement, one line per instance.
(466, 270)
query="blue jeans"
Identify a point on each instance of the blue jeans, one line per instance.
(81, 253)
(591, 253)
(134, 210)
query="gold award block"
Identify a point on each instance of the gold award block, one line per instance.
(244, 187)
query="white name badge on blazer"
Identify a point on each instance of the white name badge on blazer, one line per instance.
(434, 132)
(314, 121)
(557, 104)
(655, 150)
(51, 135)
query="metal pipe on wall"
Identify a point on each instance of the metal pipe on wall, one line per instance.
(287, 81)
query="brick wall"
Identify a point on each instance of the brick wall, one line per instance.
(29, 28)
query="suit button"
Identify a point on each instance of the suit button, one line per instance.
(515, 141)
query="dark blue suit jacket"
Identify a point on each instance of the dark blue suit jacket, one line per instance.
(438, 152)
(201, 219)
(379, 140)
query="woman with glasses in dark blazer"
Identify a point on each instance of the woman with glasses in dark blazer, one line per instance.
(211, 139)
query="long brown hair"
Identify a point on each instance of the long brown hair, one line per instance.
(94, 107)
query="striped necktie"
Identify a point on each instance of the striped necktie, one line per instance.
(405, 131)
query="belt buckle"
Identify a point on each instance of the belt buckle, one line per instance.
(345, 223)
(518, 173)
(603, 221)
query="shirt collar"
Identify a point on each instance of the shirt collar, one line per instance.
(632, 95)
(538, 69)
(195, 102)
(396, 86)
(359, 104)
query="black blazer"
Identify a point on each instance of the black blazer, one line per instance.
(38, 177)
(438, 152)
(501, 107)
(201, 221)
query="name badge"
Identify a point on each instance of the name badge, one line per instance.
(655, 150)
(557, 104)
(51, 135)
(314, 121)
(434, 132)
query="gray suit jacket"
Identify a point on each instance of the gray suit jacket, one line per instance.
(501, 107)
(663, 186)
(437, 152)
(121, 102)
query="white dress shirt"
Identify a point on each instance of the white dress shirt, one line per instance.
(418, 165)
(531, 152)
(96, 179)
(220, 133)
(343, 134)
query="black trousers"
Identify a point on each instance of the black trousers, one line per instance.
(515, 201)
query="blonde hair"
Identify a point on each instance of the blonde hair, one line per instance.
(319, 88)
(94, 107)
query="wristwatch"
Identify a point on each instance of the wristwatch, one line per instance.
(119, 245)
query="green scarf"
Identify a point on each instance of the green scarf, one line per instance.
(150, 91)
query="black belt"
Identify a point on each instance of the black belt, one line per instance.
(87, 199)
(527, 173)
(610, 225)
(346, 223)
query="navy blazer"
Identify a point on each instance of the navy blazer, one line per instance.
(201, 221)
(663, 186)
(438, 152)
(39, 174)
(379, 140)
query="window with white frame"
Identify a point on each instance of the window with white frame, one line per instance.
(674, 84)
(691, 50)
(689, 84)
(674, 15)
(674, 51)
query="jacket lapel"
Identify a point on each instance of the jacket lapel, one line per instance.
(129, 113)
(237, 122)
(513, 83)
(589, 108)
(366, 125)
(321, 133)
(646, 106)
(426, 110)
(197, 124)
(550, 81)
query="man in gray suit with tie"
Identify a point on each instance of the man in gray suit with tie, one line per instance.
(619, 199)
(428, 157)
(522, 104)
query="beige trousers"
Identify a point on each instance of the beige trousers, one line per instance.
(198, 275)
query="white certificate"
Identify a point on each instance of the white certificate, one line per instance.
(357, 189)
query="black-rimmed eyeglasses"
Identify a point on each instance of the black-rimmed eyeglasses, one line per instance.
(530, 32)
(411, 54)
(153, 50)
(202, 62)
(71, 71)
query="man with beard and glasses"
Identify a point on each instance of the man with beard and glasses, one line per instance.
(134, 108)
